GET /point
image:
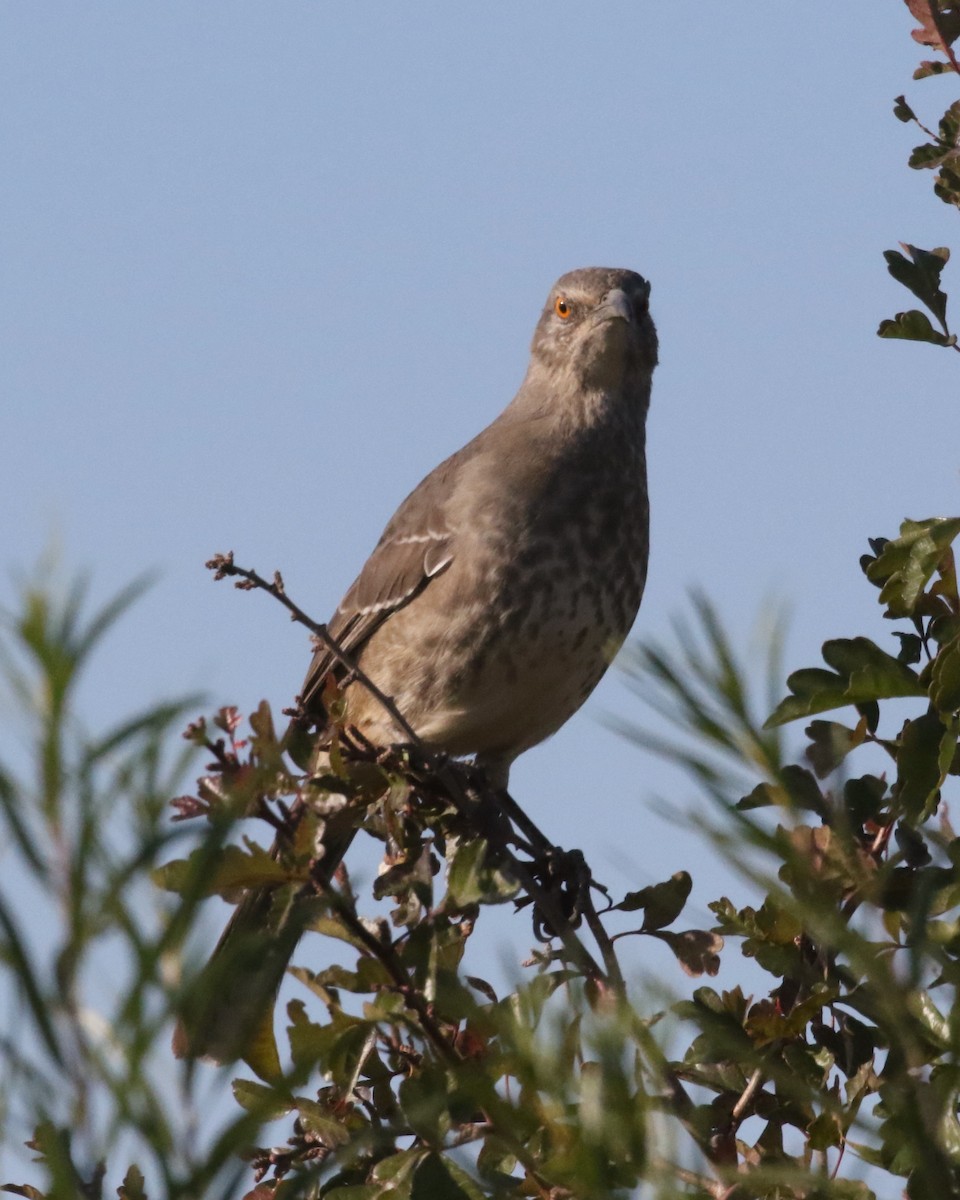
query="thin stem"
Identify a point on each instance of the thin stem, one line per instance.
(605, 942)
(739, 1112)
(224, 565)
(385, 954)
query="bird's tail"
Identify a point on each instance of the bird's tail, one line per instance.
(232, 1000)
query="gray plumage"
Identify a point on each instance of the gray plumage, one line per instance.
(506, 581)
(492, 605)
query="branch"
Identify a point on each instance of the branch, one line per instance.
(224, 565)
(385, 954)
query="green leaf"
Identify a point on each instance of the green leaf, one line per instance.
(334, 1048)
(132, 1187)
(925, 754)
(764, 795)
(825, 1131)
(464, 878)
(928, 155)
(777, 923)
(950, 124)
(802, 788)
(425, 1103)
(369, 976)
(409, 879)
(913, 326)
(947, 183)
(16, 954)
(863, 797)
(266, 1102)
(397, 1167)
(318, 1122)
(796, 788)
(473, 878)
(260, 1051)
(913, 844)
(902, 110)
(330, 925)
(869, 710)
(662, 902)
(920, 274)
(911, 648)
(862, 672)
(224, 873)
(929, 67)
(496, 1161)
(830, 743)
(906, 564)
(767, 1022)
(441, 1179)
(945, 677)
(936, 1026)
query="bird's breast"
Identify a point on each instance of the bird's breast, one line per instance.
(544, 584)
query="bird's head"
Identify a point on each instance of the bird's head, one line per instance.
(595, 331)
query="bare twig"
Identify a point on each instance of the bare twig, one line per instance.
(605, 942)
(223, 566)
(746, 1099)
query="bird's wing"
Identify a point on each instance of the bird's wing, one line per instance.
(416, 546)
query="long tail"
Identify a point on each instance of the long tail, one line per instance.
(236, 991)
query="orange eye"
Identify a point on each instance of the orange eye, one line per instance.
(561, 306)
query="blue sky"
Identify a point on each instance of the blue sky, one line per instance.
(264, 265)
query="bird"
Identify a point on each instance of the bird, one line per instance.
(494, 601)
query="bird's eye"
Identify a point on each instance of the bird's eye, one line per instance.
(561, 307)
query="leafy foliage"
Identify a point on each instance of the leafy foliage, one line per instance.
(406, 1074)
(85, 955)
(412, 1045)
(919, 270)
(403, 1073)
(853, 1052)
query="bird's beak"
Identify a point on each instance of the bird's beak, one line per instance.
(615, 305)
